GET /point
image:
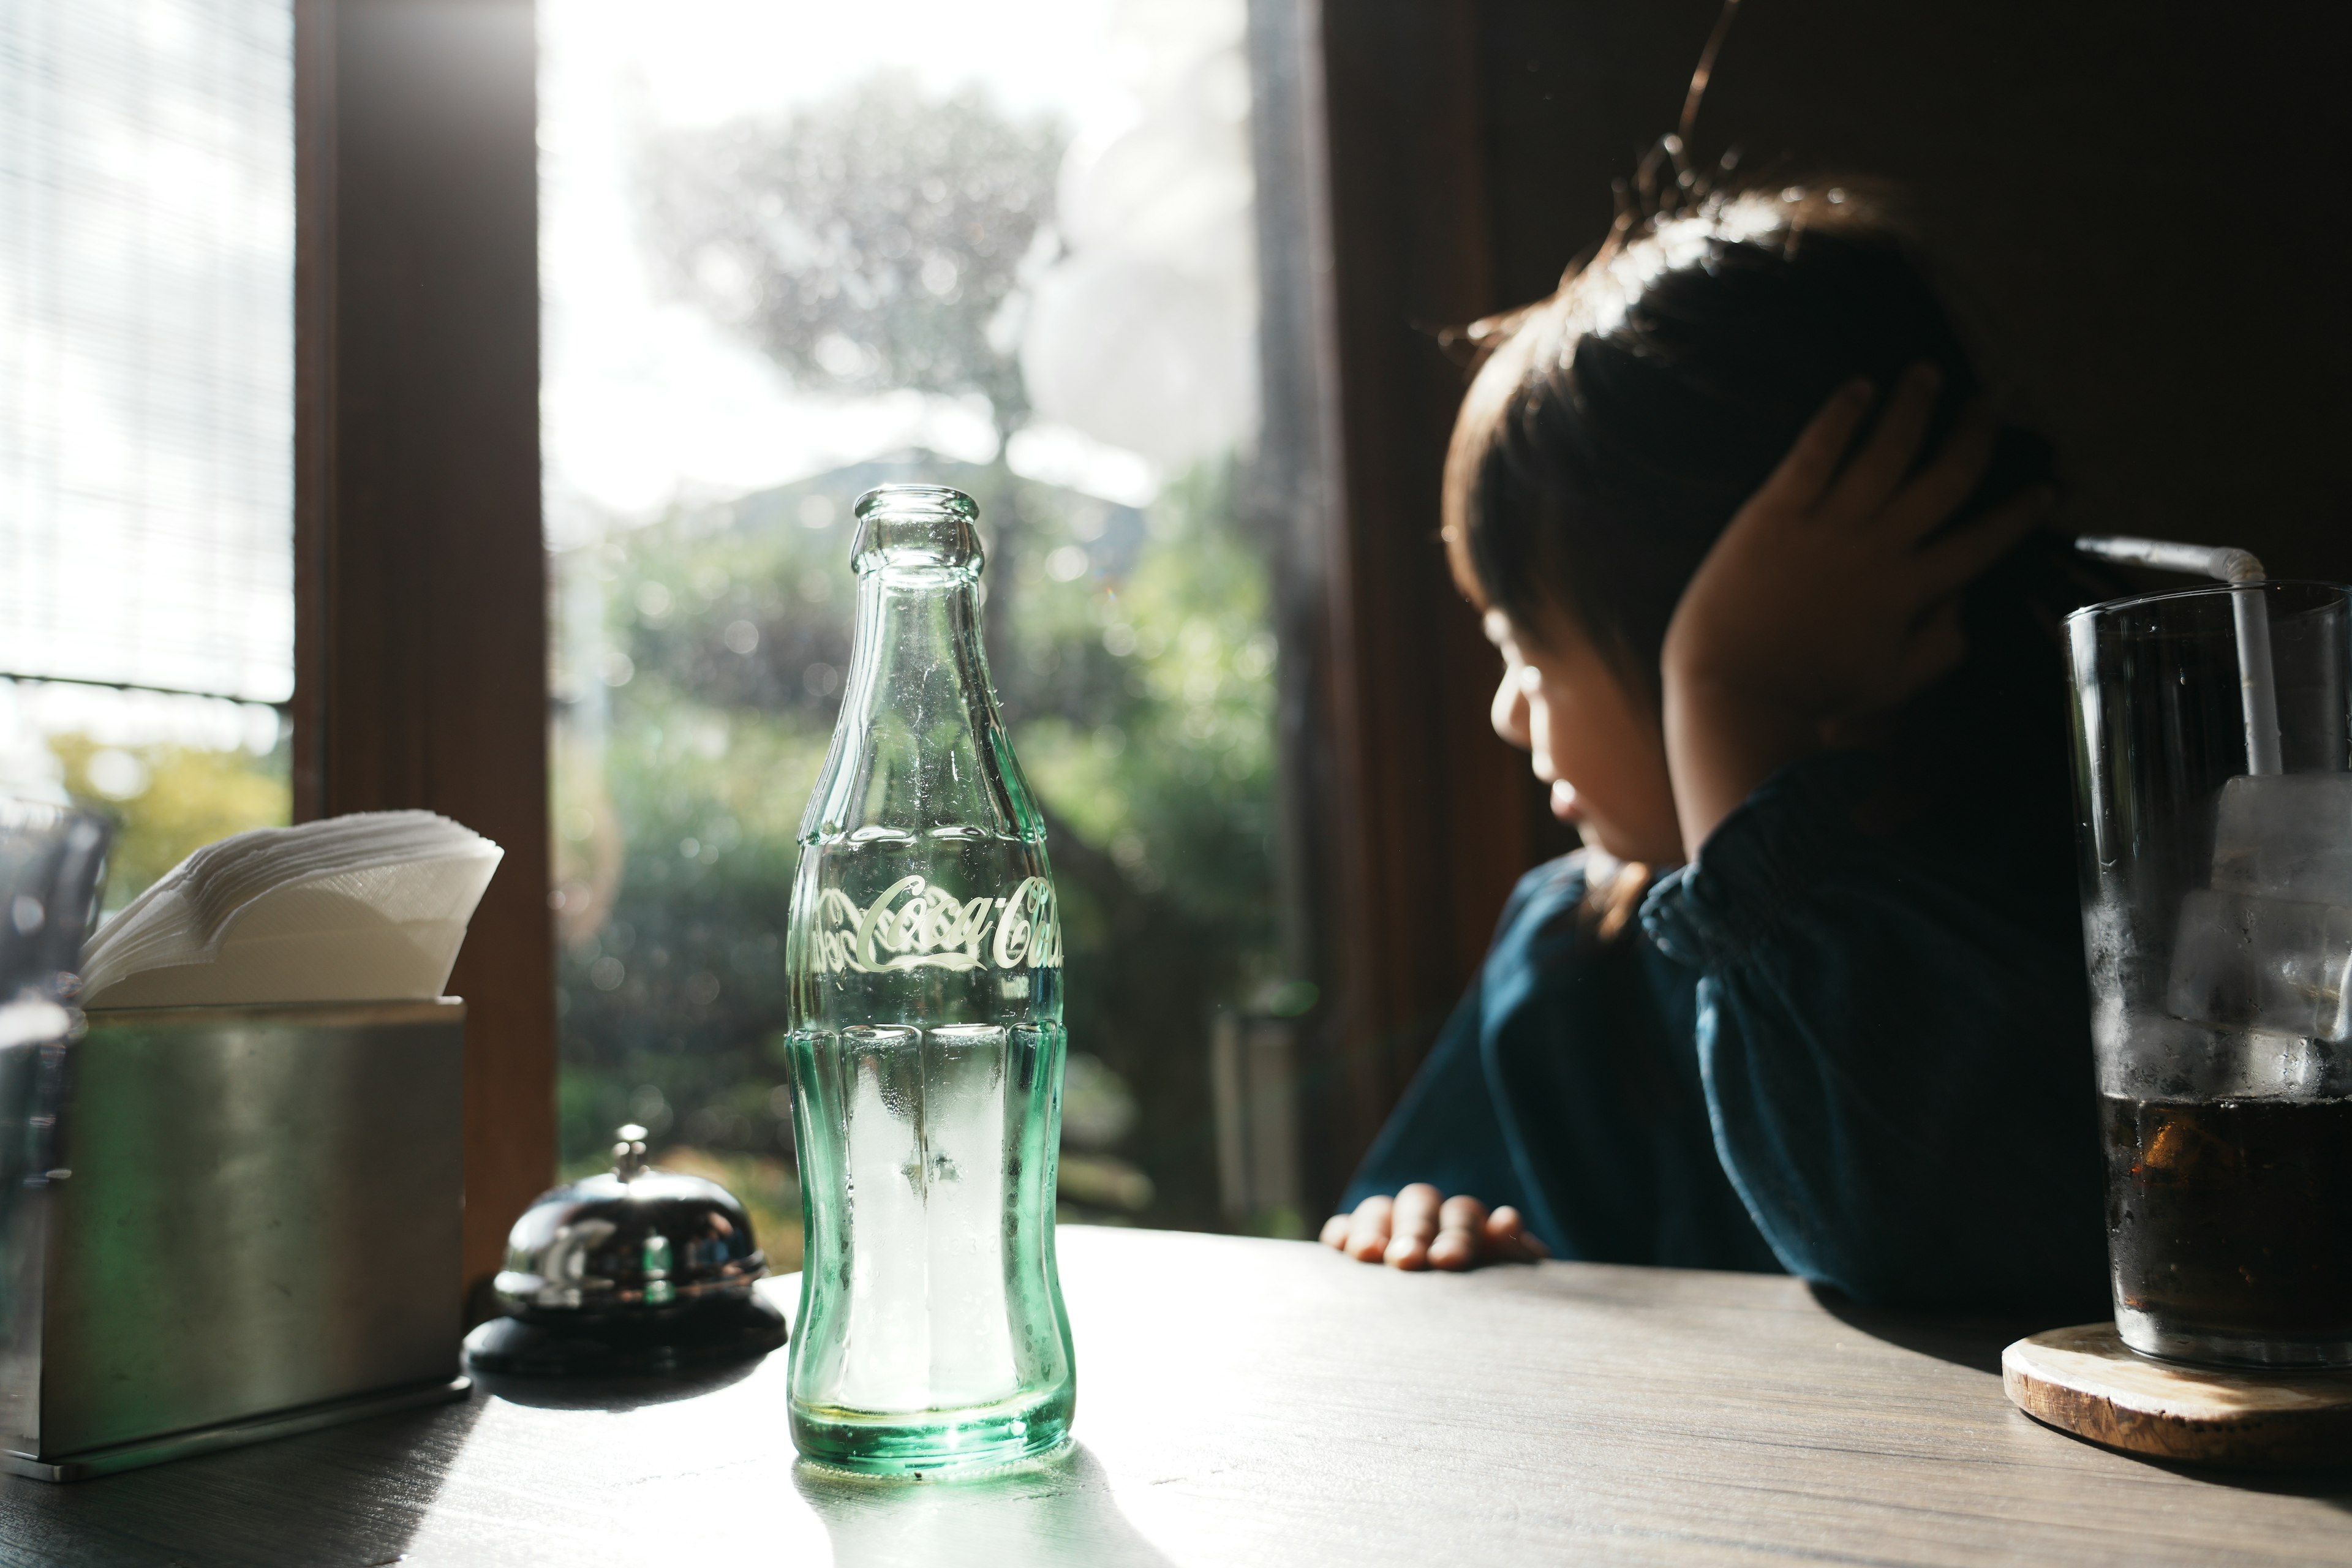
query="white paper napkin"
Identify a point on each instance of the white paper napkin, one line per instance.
(367, 907)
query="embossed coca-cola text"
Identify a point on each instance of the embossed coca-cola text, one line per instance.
(914, 925)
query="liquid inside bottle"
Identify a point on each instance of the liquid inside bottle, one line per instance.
(926, 1046)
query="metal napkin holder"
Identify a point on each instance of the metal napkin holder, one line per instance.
(222, 1225)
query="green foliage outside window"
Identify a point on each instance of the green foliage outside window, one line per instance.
(1137, 679)
(169, 801)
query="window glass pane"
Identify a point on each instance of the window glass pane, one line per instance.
(146, 413)
(793, 251)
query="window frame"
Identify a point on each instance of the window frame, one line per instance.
(1425, 820)
(420, 603)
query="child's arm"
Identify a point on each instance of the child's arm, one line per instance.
(1890, 1024)
(1894, 1037)
(1830, 598)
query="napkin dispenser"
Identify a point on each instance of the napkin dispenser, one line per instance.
(225, 1224)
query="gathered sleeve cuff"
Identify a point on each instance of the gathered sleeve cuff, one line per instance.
(1797, 829)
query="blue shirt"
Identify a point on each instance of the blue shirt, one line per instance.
(1851, 1041)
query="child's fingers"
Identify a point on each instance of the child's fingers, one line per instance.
(1878, 468)
(1508, 1237)
(1460, 1234)
(1454, 1251)
(1416, 1203)
(1367, 1230)
(1420, 1229)
(1814, 461)
(1462, 1212)
(1945, 564)
(1931, 498)
(1412, 1224)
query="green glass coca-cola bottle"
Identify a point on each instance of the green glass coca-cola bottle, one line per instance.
(926, 1046)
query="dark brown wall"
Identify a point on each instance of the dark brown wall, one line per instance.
(2134, 205)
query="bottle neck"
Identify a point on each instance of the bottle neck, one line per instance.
(919, 744)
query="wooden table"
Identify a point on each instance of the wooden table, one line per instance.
(1257, 1402)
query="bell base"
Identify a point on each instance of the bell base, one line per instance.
(660, 1340)
(925, 1445)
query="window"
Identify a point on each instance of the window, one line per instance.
(146, 411)
(792, 250)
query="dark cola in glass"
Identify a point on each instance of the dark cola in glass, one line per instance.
(2229, 1227)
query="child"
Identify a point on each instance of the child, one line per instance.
(1762, 570)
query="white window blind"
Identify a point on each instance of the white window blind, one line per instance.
(146, 344)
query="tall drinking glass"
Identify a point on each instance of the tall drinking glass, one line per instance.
(2212, 758)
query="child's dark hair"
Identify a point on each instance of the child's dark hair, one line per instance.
(1616, 427)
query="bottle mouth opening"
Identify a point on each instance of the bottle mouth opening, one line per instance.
(912, 500)
(917, 528)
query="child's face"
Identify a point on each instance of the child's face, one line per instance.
(1589, 735)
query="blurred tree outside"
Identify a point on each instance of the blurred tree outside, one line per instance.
(890, 239)
(874, 240)
(169, 801)
(871, 241)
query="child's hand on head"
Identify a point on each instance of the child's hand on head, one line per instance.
(1832, 595)
(1420, 1229)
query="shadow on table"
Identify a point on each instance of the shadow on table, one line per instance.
(1056, 1511)
(1973, 1342)
(613, 1395)
(1977, 1343)
(351, 1494)
(2331, 1487)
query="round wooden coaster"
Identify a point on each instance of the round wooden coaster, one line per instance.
(2086, 1381)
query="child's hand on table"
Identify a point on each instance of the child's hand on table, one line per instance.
(1831, 597)
(1420, 1229)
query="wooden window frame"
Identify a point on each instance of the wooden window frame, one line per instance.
(1424, 818)
(420, 598)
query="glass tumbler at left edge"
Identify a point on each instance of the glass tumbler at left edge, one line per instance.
(925, 961)
(52, 865)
